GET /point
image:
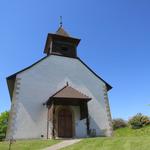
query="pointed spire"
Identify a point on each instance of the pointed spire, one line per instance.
(61, 30)
(61, 23)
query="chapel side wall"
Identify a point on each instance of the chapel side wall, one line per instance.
(44, 79)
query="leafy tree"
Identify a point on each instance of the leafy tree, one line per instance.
(3, 124)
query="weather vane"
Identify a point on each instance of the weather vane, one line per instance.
(61, 21)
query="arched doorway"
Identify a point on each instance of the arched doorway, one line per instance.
(65, 123)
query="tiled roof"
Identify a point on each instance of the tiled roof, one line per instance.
(69, 92)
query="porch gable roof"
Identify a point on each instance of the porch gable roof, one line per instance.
(67, 92)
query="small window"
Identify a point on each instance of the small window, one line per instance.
(64, 48)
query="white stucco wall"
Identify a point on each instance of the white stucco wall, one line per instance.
(80, 125)
(38, 83)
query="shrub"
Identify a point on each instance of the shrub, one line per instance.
(119, 123)
(3, 124)
(2, 136)
(138, 121)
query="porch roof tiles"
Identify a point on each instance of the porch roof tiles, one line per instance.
(69, 92)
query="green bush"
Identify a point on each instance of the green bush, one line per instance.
(3, 124)
(138, 121)
(119, 123)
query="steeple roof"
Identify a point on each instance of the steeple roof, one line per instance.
(62, 32)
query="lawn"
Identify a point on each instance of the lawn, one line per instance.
(123, 139)
(115, 143)
(28, 144)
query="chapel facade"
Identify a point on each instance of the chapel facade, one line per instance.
(59, 96)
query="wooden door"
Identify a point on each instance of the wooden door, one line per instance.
(65, 123)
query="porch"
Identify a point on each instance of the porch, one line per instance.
(67, 109)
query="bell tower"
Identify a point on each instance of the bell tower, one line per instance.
(61, 43)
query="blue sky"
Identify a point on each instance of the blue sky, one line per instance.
(115, 44)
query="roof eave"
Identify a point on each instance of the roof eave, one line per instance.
(109, 87)
(11, 85)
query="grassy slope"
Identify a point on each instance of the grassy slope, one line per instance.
(145, 131)
(28, 144)
(123, 139)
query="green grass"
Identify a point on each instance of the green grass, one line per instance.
(145, 131)
(114, 143)
(123, 139)
(28, 144)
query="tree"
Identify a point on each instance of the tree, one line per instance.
(3, 124)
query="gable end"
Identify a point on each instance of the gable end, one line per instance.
(11, 79)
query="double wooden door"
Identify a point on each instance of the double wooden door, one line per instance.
(65, 123)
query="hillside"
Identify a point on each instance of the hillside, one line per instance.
(126, 132)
